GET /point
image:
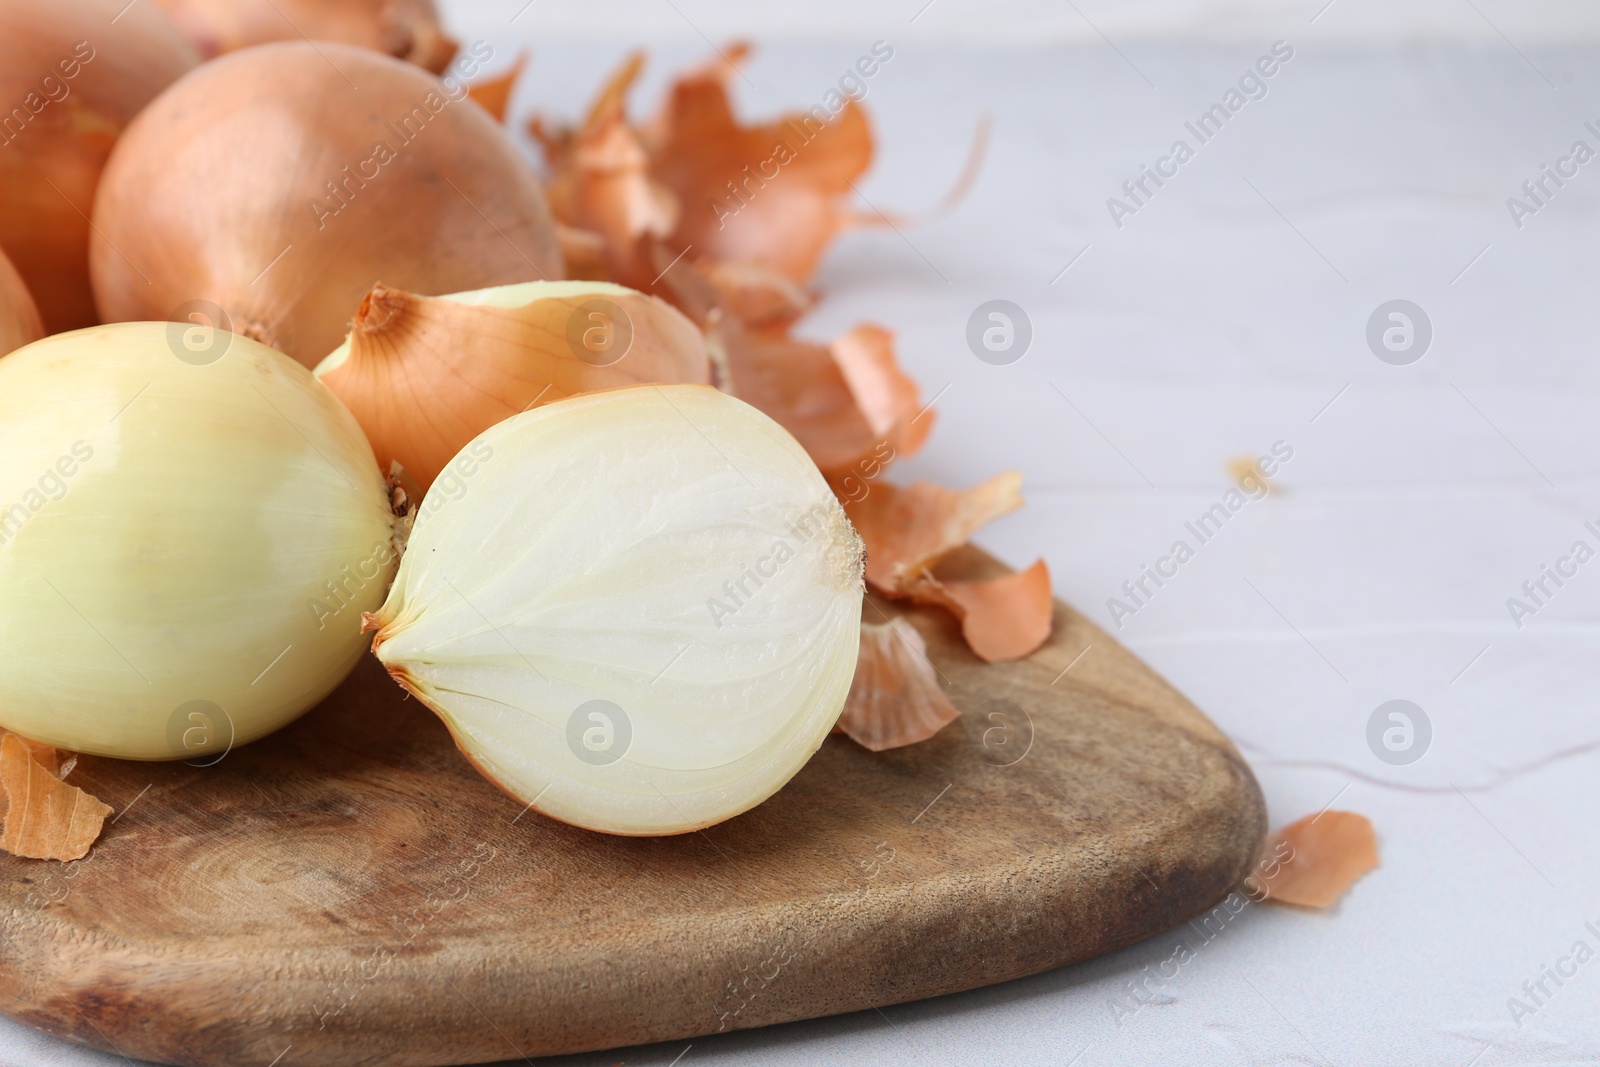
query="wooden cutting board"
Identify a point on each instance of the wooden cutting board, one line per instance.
(349, 891)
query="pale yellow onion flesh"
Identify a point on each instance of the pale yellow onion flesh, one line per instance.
(593, 550)
(167, 529)
(425, 375)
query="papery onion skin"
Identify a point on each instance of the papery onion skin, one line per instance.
(224, 190)
(168, 527)
(19, 318)
(425, 375)
(595, 549)
(405, 29)
(55, 134)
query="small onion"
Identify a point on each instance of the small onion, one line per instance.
(73, 73)
(405, 29)
(190, 528)
(425, 375)
(636, 610)
(283, 182)
(19, 318)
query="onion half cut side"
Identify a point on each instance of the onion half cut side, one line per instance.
(637, 611)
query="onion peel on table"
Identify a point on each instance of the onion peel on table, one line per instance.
(425, 375)
(600, 180)
(845, 402)
(494, 94)
(1326, 853)
(584, 251)
(909, 529)
(45, 818)
(771, 196)
(757, 296)
(895, 699)
(1002, 618)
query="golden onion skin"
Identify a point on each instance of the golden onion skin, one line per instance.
(190, 528)
(19, 318)
(73, 73)
(283, 182)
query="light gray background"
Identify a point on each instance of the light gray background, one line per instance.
(1228, 314)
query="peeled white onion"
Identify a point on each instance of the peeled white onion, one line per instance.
(190, 528)
(637, 610)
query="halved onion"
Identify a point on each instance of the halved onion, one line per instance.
(283, 182)
(405, 29)
(190, 528)
(637, 611)
(73, 73)
(19, 318)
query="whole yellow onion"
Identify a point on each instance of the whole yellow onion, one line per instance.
(73, 73)
(190, 529)
(283, 182)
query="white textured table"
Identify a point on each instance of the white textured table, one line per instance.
(1229, 313)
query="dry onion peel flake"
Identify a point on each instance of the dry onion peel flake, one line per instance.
(847, 402)
(494, 94)
(425, 375)
(908, 529)
(1319, 857)
(895, 699)
(783, 219)
(1002, 618)
(45, 818)
(639, 612)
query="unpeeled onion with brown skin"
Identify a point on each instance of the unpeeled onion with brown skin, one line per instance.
(73, 73)
(405, 29)
(425, 375)
(19, 318)
(283, 182)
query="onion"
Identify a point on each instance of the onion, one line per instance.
(405, 29)
(425, 375)
(636, 610)
(267, 183)
(72, 75)
(190, 529)
(19, 318)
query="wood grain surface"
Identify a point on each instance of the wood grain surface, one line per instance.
(350, 891)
